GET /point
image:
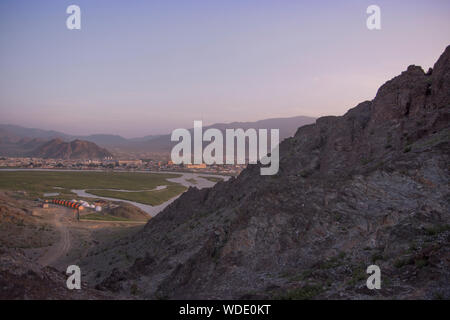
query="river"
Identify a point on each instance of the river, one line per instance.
(185, 180)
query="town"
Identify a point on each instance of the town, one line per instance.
(117, 165)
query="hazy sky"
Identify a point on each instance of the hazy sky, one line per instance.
(143, 67)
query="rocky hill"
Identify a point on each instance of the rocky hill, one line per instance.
(128, 211)
(76, 149)
(369, 187)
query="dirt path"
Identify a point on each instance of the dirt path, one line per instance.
(114, 221)
(61, 248)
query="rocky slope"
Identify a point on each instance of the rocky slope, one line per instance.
(76, 149)
(20, 276)
(22, 279)
(128, 211)
(369, 187)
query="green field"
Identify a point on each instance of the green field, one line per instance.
(192, 180)
(146, 197)
(102, 217)
(212, 179)
(36, 183)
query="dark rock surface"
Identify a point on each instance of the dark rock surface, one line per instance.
(128, 211)
(22, 279)
(369, 187)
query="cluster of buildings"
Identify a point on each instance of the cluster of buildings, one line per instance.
(163, 165)
(117, 165)
(32, 163)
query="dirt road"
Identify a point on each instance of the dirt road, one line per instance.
(62, 247)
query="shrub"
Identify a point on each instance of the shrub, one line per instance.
(134, 289)
(304, 293)
(420, 263)
(377, 256)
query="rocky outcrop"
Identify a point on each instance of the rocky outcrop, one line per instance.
(368, 187)
(128, 211)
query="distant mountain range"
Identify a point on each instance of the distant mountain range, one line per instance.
(14, 133)
(20, 141)
(17, 132)
(287, 127)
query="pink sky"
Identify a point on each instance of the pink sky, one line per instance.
(146, 67)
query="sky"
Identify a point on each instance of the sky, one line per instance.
(146, 67)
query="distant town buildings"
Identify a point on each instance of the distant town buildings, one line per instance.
(130, 163)
(196, 166)
(117, 165)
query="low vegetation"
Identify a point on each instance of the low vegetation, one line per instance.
(102, 217)
(37, 183)
(306, 292)
(192, 180)
(153, 198)
(212, 179)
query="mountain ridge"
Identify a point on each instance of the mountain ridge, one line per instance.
(368, 187)
(12, 135)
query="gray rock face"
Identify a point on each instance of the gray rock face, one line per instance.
(370, 187)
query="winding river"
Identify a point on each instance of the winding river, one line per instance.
(186, 179)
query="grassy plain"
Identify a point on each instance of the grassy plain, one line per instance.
(36, 183)
(212, 179)
(102, 217)
(152, 198)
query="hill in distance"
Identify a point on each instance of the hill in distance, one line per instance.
(77, 149)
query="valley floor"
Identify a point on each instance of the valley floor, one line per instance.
(49, 240)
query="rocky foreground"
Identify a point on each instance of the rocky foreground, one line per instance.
(38, 244)
(23, 279)
(370, 187)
